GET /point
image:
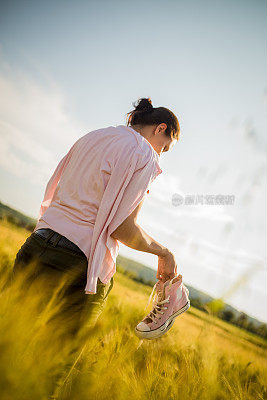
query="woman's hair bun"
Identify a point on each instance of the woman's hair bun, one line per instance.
(145, 114)
(143, 104)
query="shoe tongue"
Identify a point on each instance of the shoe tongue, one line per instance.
(161, 290)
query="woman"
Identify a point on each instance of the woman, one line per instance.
(91, 204)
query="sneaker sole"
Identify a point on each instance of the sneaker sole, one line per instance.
(156, 333)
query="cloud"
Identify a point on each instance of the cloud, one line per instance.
(161, 195)
(35, 129)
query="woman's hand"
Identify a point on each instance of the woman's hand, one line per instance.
(167, 267)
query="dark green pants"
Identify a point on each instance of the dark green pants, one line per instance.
(53, 264)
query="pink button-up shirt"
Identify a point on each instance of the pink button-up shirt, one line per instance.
(96, 185)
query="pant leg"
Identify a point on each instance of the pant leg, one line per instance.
(79, 312)
(95, 303)
(51, 264)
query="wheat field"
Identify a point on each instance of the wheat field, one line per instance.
(201, 357)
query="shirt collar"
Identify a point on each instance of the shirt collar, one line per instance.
(137, 133)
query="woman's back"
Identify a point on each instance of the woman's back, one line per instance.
(75, 191)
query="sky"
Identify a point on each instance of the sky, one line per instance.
(69, 67)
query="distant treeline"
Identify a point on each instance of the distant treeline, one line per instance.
(242, 320)
(17, 218)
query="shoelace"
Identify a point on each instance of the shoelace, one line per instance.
(158, 306)
(154, 287)
(158, 309)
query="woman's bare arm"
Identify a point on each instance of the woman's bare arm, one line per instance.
(132, 235)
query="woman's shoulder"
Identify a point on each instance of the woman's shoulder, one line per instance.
(123, 144)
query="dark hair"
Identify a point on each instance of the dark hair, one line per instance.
(145, 114)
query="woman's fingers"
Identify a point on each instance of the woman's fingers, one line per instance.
(167, 267)
(164, 277)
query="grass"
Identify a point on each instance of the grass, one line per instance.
(201, 357)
